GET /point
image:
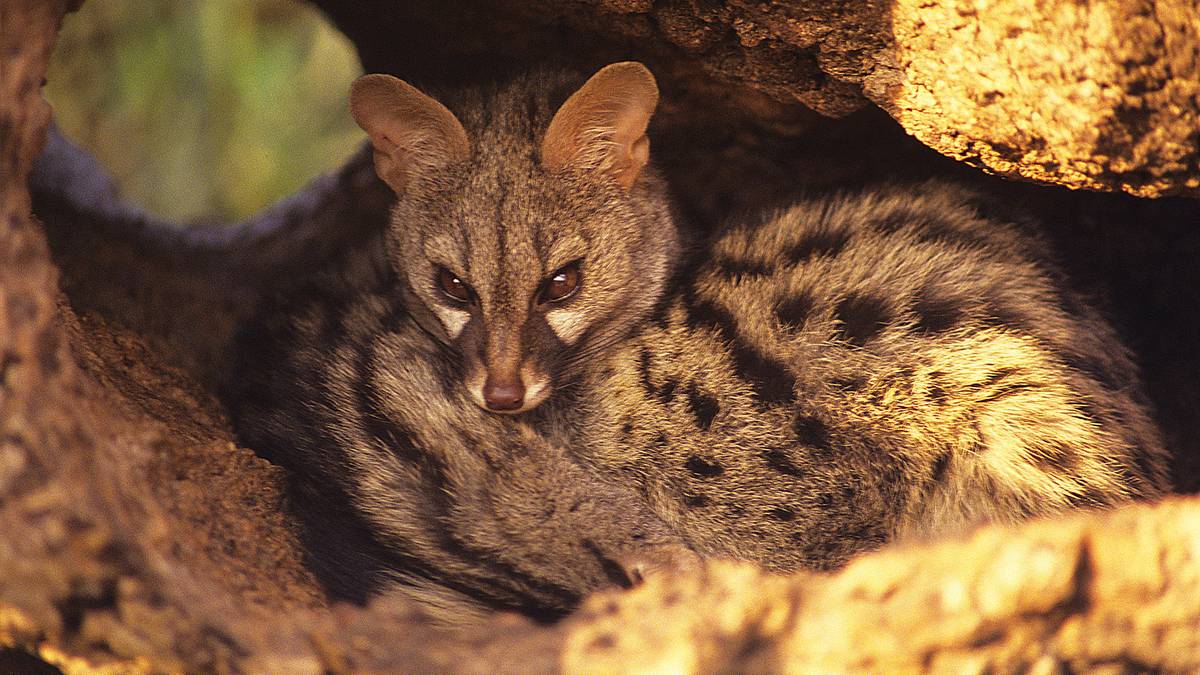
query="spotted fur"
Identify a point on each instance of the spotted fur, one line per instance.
(884, 364)
(855, 370)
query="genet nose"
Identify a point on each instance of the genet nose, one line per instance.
(503, 395)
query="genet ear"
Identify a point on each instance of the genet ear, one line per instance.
(411, 132)
(602, 127)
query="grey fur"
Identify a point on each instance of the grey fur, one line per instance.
(854, 370)
(868, 367)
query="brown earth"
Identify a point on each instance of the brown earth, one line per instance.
(138, 536)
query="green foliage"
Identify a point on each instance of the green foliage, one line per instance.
(205, 109)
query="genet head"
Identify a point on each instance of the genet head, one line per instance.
(532, 236)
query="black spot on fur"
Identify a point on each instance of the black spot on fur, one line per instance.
(894, 221)
(449, 376)
(937, 394)
(1003, 315)
(780, 513)
(818, 243)
(825, 500)
(702, 467)
(811, 431)
(703, 406)
(936, 314)
(660, 314)
(1005, 387)
(660, 441)
(627, 428)
(870, 533)
(390, 434)
(612, 569)
(1007, 390)
(695, 501)
(737, 269)
(1000, 374)
(940, 467)
(1056, 459)
(770, 379)
(667, 393)
(794, 310)
(1086, 408)
(778, 460)
(849, 383)
(644, 369)
(862, 317)
(706, 314)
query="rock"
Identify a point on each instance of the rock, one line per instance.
(1103, 95)
(1113, 590)
(1100, 95)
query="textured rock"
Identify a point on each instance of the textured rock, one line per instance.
(1113, 591)
(135, 536)
(1099, 95)
(102, 557)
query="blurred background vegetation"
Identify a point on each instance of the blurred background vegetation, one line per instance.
(205, 109)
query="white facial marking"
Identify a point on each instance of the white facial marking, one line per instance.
(537, 387)
(454, 320)
(567, 325)
(474, 383)
(535, 394)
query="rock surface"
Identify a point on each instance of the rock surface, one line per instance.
(1097, 95)
(1100, 95)
(1113, 591)
(138, 537)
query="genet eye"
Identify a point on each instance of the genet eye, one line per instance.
(453, 287)
(562, 284)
